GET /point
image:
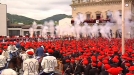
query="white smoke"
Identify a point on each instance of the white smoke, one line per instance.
(31, 31)
(51, 27)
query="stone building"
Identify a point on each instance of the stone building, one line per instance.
(97, 10)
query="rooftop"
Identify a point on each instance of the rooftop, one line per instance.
(22, 26)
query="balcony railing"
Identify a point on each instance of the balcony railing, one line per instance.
(90, 22)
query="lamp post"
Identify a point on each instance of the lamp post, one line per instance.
(123, 27)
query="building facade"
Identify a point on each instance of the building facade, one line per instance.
(3, 19)
(97, 9)
(16, 30)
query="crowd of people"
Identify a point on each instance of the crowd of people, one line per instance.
(96, 56)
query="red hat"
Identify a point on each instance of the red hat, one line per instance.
(5, 47)
(93, 64)
(1, 51)
(114, 71)
(50, 51)
(107, 66)
(72, 61)
(120, 68)
(77, 59)
(100, 57)
(127, 64)
(30, 52)
(93, 58)
(99, 64)
(85, 62)
(105, 61)
(67, 60)
(115, 60)
(131, 68)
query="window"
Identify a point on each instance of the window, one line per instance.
(88, 16)
(14, 32)
(120, 11)
(26, 33)
(38, 33)
(98, 16)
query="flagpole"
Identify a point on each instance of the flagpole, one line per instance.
(123, 27)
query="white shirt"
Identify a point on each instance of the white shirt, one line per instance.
(8, 72)
(30, 66)
(23, 56)
(2, 61)
(6, 54)
(49, 63)
(12, 48)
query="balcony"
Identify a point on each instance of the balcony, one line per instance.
(91, 22)
(95, 2)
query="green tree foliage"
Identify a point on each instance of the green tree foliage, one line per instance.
(28, 21)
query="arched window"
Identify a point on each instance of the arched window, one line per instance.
(98, 14)
(88, 15)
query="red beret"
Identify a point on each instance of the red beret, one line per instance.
(1, 51)
(67, 60)
(5, 47)
(132, 59)
(93, 58)
(30, 52)
(120, 68)
(114, 71)
(72, 61)
(94, 64)
(77, 59)
(131, 68)
(85, 62)
(105, 61)
(127, 64)
(107, 66)
(50, 51)
(99, 64)
(115, 60)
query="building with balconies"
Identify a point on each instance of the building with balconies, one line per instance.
(97, 9)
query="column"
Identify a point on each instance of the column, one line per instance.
(20, 31)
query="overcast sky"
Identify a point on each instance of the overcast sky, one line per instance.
(38, 9)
